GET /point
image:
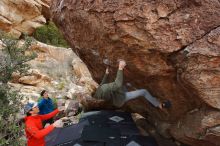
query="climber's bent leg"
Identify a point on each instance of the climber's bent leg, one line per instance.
(142, 92)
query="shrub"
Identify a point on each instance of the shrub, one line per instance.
(61, 85)
(10, 129)
(12, 59)
(49, 34)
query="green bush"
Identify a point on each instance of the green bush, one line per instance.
(12, 59)
(49, 34)
(61, 85)
(10, 129)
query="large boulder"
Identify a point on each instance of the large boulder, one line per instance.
(171, 48)
(22, 16)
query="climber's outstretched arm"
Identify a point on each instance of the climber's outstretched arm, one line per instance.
(117, 84)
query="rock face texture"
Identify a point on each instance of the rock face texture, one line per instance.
(54, 69)
(46, 9)
(172, 48)
(23, 16)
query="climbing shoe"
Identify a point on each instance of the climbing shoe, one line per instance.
(166, 104)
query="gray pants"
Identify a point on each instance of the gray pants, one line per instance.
(142, 92)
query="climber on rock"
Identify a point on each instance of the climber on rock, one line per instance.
(115, 92)
(35, 132)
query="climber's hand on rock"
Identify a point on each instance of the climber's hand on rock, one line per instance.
(122, 64)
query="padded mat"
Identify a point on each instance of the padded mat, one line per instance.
(100, 134)
(108, 117)
(138, 140)
(66, 134)
(100, 128)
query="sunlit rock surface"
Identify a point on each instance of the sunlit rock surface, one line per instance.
(54, 69)
(22, 16)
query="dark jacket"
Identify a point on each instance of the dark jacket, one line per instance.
(113, 92)
(46, 106)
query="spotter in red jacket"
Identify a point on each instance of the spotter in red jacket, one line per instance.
(35, 132)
